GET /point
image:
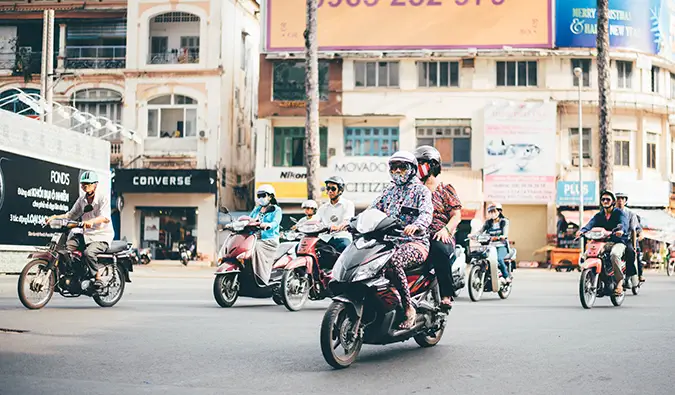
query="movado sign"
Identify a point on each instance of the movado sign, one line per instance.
(164, 181)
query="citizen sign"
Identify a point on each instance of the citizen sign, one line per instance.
(162, 180)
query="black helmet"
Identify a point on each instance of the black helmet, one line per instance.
(610, 193)
(337, 180)
(620, 195)
(430, 155)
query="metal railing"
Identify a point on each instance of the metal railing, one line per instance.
(21, 62)
(116, 151)
(96, 57)
(174, 57)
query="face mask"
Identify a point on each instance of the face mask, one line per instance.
(423, 170)
(263, 201)
(399, 178)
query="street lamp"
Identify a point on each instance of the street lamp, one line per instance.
(579, 73)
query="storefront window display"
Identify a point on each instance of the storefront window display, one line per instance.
(164, 229)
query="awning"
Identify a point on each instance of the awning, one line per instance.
(573, 216)
(658, 224)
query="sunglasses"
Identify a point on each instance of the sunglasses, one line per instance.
(398, 166)
(605, 200)
(261, 195)
(331, 189)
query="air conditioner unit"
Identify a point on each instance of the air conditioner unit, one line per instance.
(202, 134)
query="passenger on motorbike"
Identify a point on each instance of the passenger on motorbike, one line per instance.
(336, 214)
(409, 201)
(447, 216)
(269, 214)
(98, 231)
(497, 226)
(635, 228)
(611, 218)
(310, 207)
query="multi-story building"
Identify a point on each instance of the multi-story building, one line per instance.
(386, 84)
(183, 74)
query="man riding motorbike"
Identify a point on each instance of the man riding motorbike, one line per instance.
(635, 228)
(310, 207)
(98, 231)
(336, 214)
(409, 201)
(497, 226)
(611, 218)
(447, 216)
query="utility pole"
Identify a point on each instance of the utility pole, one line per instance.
(47, 64)
(312, 105)
(606, 154)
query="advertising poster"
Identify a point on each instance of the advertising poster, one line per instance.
(32, 190)
(640, 25)
(520, 152)
(411, 24)
(151, 231)
(568, 193)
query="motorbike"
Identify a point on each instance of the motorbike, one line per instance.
(597, 274)
(186, 252)
(366, 308)
(144, 256)
(485, 274)
(55, 268)
(459, 270)
(235, 275)
(670, 265)
(304, 277)
(633, 282)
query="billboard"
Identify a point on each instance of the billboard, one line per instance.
(411, 24)
(640, 25)
(520, 152)
(568, 193)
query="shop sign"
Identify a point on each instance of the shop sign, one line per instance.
(291, 104)
(568, 193)
(164, 181)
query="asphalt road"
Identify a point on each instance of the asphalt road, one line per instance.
(169, 336)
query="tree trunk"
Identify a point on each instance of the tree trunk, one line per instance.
(312, 105)
(606, 154)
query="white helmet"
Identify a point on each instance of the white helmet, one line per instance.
(310, 204)
(266, 188)
(405, 157)
(494, 206)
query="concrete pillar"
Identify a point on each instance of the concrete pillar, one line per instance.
(61, 60)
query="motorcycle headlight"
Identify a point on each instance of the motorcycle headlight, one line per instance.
(370, 269)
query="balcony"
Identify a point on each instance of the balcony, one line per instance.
(96, 57)
(182, 56)
(21, 63)
(174, 39)
(116, 152)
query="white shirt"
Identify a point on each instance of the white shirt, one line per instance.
(101, 208)
(336, 214)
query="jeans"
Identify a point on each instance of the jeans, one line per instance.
(501, 254)
(90, 253)
(340, 244)
(630, 262)
(442, 256)
(616, 254)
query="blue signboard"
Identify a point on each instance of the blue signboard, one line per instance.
(640, 25)
(568, 193)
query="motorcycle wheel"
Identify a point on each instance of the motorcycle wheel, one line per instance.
(617, 300)
(294, 289)
(670, 268)
(226, 289)
(586, 282)
(636, 290)
(115, 289)
(335, 323)
(145, 260)
(24, 282)
(475, 284)
(424, 340)
(505, 290)
(457, 292)
(277, 299)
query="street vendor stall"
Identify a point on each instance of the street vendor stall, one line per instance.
(565, 254)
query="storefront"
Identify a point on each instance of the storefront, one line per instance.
(164, 208)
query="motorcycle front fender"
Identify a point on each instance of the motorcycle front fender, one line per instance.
(301, 261)
(227, 267)
(46, 255)
(355, 306)
(595, 264)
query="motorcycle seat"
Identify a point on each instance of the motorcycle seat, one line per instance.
(116, 246)
(421, 269)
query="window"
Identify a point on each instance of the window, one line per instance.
(574, 145)
(101, 103)
(176, 17)
(244, 51)
(522, 73)
(672, 86)
(172, 116)
(454, 143)
(585, 65)
(376, 74)
(652, 140)
(655, 79)
(438, 74)
(15, 105)
(371, 141)
(622, 140)
(289, 147)
(289, 80)
(625, 72)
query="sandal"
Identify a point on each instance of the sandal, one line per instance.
(409, 321)
(618, 291)
(446, 304)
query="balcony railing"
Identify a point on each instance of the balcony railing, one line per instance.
(115, 151)
(176, 57)
(96, 57)
(20, 63)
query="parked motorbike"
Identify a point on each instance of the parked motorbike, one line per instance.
(144, 256)
(367, 307)
(597, 275)
(235, 275)
(187, 252)
(305, 276)
(55, 268)
(485, 274)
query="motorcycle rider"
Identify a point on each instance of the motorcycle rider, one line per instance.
(409, 201)
(94, 210)
(310, 207)
(336, 213)
(447, 216)
(635, 227)
(610, 218)
(497, 226)
(269, 214)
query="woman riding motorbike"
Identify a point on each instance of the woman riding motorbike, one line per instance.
(497, 226)
(269, 214)
(447, 216)
(409, 201)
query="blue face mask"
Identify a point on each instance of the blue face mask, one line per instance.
(264, 201)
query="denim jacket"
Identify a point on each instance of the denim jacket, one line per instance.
(270, 217)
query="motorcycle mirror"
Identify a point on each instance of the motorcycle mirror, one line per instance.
(295, 221)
